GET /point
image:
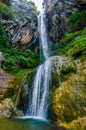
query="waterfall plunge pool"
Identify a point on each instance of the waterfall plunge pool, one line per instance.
(25, 124)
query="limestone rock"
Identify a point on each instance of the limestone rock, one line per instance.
(57, 15)
(6, 108)
(5, 79)
(63, 67)
(68, 102)
(22, 28)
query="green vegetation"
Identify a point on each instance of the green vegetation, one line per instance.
(16, 60)
(14, 85)
(68, 102)
(77, 20)
(73, 44)
(6, 12)
(4, 40)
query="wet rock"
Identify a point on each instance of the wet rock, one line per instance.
(25, 92)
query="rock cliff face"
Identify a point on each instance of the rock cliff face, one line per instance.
(57, 15)
(22, 28)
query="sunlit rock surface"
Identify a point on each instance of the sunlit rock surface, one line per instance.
(6, 108)
(68, 101)
(22, 28)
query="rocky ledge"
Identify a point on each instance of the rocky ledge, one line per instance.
(22, 27)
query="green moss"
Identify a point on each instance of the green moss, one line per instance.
(68, 38)
(65, 76)
(14, 85)
(21, 73)
(69, 100)
(78, 124)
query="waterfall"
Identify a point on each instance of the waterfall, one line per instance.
(39, 103)
(38, 106)
(43, 36)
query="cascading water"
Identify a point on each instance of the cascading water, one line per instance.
(39, 103)
(43, 35)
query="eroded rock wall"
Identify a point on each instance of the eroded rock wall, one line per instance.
(57, 15)
(23, 27)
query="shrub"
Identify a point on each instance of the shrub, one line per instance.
(4, 40)
(77, 20)
(75, 47)
(15, 59)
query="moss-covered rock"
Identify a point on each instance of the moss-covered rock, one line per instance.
(9, 93)
(25, 92)
(78, 124)
(74, 45)
(69, 99)
(62, 68)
